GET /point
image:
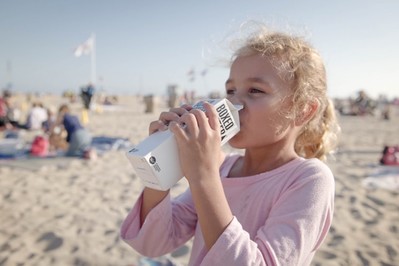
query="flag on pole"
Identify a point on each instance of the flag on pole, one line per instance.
(85, 48)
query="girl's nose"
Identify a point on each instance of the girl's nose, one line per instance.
(233, 98)
(236, 100)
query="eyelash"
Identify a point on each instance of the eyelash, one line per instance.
(230, 91)
(255, 90)
(250, 90)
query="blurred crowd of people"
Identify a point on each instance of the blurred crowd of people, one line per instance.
(10, 115)
(363, 105)
(57, 130)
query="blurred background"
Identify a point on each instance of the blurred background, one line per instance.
(118, 64)
(143, 47)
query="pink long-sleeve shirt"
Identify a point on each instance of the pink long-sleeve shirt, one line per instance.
(281, 217)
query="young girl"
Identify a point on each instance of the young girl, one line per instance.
(274, 204)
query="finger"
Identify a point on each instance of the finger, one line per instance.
(178, 131)
(190, 122)
(201, 119)
(187, 107)
(212, 115)
(166, 117)
(156, 126)
(181, 110)
(172, 115)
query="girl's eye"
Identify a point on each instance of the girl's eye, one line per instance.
(230, 91)
(255, 90)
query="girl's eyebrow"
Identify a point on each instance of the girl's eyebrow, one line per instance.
(259, 80)
(255, 79)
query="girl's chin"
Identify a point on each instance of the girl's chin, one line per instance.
(235, 143)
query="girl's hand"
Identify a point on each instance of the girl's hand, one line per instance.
(198, 138)
(165, 118)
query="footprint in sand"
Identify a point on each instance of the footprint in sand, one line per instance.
(52, 240)
(356, 214)
(336, 240)
(376, 200)
(392, 254)
(327, 255)
(393, 229)
(363, 260)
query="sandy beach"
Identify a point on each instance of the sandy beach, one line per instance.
(63, 211)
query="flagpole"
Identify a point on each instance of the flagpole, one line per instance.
(93, 60)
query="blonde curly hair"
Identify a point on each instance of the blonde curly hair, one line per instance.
(298, 62)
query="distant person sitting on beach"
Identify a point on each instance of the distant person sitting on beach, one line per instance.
(51, 119)
(272, 205)
(10, 114)
(110, 100)
(78, 138)
(37, 115)
(56, 134)
(363, 104)
(4, 110)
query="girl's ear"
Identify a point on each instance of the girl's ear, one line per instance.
(307, 112)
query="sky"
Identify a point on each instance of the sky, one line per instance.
(144, 46)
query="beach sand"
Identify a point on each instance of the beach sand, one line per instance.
(67, 211)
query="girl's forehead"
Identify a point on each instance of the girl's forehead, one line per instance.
(257, 67)
(256, 60)
(254, 66)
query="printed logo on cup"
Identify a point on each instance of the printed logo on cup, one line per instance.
(225, 120)
(152, 160)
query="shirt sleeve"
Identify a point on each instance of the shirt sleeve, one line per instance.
(168, 225)
(296, 226)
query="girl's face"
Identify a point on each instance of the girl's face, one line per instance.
(255, 83)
